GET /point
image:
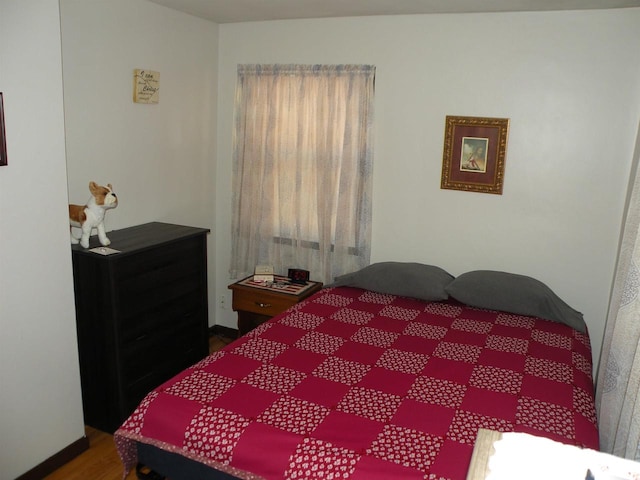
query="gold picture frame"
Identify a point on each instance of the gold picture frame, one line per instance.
(3, 139)
(474, 154)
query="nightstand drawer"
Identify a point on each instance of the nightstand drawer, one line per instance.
(261, 302)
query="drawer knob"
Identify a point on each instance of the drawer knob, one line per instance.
(263, 305)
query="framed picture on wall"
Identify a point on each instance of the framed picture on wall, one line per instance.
(3, 140)
(474, 153)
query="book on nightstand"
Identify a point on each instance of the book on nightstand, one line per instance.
(263, 273)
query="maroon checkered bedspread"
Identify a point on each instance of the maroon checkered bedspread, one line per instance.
(357, 385)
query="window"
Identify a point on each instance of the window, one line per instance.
(302, 168)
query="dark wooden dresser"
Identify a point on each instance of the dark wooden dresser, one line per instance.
(141, 315)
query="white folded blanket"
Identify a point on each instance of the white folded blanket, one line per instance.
(520, 456)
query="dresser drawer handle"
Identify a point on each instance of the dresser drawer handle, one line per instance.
(263, 305)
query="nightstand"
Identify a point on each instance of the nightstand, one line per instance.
(257, 302)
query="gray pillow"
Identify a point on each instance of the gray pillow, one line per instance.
(513, 293)
(415, 280)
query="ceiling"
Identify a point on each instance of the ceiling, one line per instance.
(231, 11)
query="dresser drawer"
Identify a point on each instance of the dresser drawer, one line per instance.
(156, 263)
(169, 306)
(166, 318)
(136, 387)
(262, 303)
(151, 354)
(167, 266)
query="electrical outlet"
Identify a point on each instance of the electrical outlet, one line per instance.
(222, 302)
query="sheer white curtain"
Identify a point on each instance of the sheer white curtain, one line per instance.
(618, 387)
(302, 168)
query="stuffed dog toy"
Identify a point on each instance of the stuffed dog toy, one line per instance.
(90, 216)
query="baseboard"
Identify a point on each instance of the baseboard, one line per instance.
(54, 462)
(224, 331)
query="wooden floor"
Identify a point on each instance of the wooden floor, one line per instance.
(101, 461)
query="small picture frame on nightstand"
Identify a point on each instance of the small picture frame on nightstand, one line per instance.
(299, 276)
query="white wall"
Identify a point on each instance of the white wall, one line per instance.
(159, 158)
(570, 85)
(40, 397)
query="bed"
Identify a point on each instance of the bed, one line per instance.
(388, 373)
